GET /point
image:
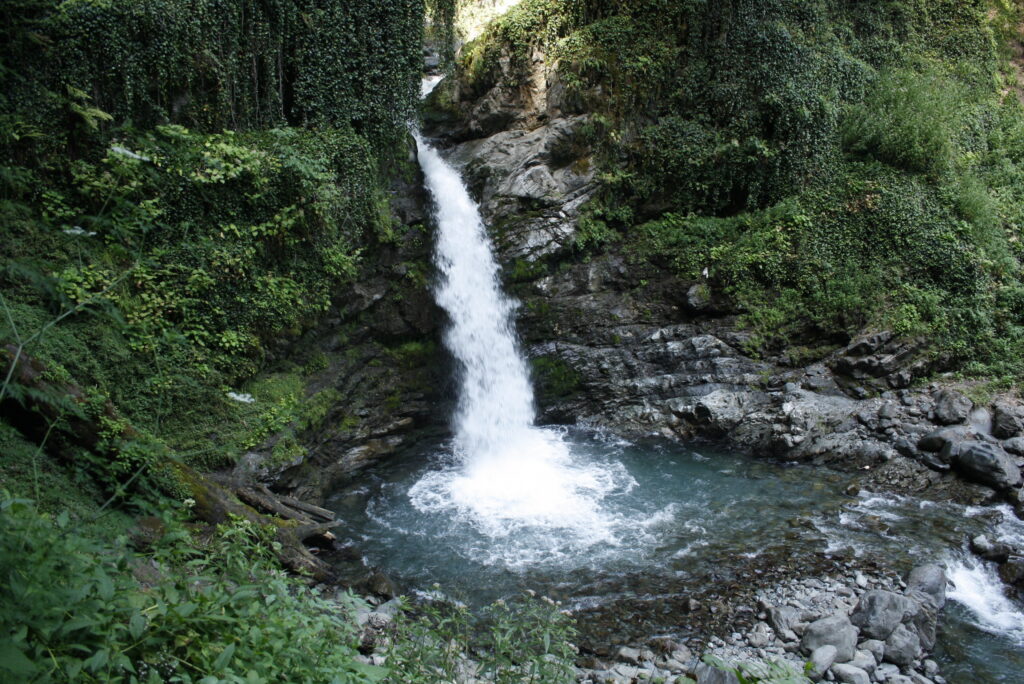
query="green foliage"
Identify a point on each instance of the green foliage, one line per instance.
(73, 611)
(525, 639)
(908, 120)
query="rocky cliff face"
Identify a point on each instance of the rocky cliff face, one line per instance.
(617, 341)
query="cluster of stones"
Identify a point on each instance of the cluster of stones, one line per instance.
(852, 629)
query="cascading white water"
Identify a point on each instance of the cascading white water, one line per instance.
(509, 475)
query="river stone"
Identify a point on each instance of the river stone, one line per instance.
(848, 674)
(929, 579)
(760, 635)
(1012, 571)
(925, 620)
(712, 675)
(879, 611)
(987, 464)
(1006, 420)
(628, 655)
(951, 407)
(835, 630)
(1015, 445)
(902, 647)
(783, 618)
(875, 647)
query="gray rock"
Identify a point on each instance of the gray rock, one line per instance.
(951, 407)
(865, 660)
(821, 660)
(929, 579)
(986, 464)
(875, 647)
(711, 675)
(918, 678)
(902, 647)
(1007, 420)
(848, 674)
(835, 630)
(878, 612)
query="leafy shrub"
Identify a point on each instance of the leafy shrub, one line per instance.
(526, 639)
(907, 119)
(72, 610)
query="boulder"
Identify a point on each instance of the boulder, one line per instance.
(1007, 420)
(986, 464)
(879, 612)
(835, 630)
(848, 674)
(1012, 571)
(902, 647)
(951, 407)
(935, 440)
(782, 619)
(929, 579)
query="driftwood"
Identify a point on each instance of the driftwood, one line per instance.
(46, 402)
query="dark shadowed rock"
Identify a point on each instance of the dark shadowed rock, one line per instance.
(951, 407)
(879, 612)
(986, 464)
(937, 439)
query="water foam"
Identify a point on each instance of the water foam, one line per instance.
(977, 587)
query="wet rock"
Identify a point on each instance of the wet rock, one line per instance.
(931, 580)
(1007, 420)
(848, 674)
(879, 612)
(989, 550)
(902, 647)
(821, 660)
(835, 630)
(951, 407)
(1012, 571)
(986, 464)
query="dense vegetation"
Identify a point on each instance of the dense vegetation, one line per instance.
(835, 166)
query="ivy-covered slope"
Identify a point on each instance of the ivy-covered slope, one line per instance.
(185, 184)
(834, 166)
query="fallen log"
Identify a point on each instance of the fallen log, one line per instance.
(303, 506)
(42, 402)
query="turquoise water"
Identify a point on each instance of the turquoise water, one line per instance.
(668, 518)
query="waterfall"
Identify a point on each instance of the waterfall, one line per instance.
(507, 475)
(495, 397)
